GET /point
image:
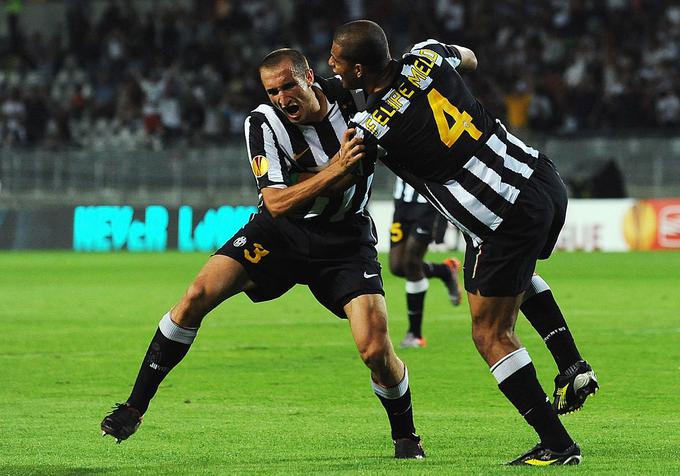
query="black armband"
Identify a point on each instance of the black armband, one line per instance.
(453, 51)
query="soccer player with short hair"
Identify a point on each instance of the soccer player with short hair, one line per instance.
(312, 228)
(413, 229)
(506, 197)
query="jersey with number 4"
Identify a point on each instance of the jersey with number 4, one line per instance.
(429, 129)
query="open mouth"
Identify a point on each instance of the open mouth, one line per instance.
(291, 109)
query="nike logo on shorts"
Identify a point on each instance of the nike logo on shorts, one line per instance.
(297, 157)
(367, 276)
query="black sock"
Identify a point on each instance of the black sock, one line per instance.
(517, 380)
(437, 270)
(397, 403)
(542, 311)
(162, 355)
(415, 303)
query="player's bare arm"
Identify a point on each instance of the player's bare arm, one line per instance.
(468, 60)
(281, 201)
(335, 189)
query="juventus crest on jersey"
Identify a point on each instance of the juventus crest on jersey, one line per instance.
(279, 150)
(433, 133)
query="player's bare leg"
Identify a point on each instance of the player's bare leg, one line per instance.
(220, 278)
(389, 377)
(368, 320)
(493, 332)
(576, 379)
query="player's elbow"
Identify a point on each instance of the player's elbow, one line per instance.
(275, 210)
(470, 61)
(274, 202)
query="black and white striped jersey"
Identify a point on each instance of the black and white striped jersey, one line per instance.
(404, 193)
(430, 130)
(279, 150)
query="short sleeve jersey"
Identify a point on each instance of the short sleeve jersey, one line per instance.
(429, 129)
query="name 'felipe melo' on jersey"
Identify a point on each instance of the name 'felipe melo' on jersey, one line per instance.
(431, 131)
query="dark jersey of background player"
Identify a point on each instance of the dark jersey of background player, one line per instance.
(414, 226)
(470, 167)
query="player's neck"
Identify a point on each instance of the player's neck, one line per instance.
(376, 83)
(318, 115)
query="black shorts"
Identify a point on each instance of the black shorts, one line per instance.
(504, 263)
(337, 263)
(412, 219)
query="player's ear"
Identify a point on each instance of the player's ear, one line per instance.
(309, 76)
(358, 70)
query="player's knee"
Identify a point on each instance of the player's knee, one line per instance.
(374, 355)
(482, 339)
(413, 269)
(397, 269)
(196, 294)
(375, 352)
(193, 306)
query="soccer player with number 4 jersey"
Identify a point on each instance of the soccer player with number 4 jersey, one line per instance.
(423, 122)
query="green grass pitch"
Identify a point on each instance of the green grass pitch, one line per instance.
(278, 388)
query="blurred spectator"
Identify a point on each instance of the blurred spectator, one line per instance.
(170, 111)
(517, 104)
(37, 114)
(13, 119)
(13, 10)
(668, 108)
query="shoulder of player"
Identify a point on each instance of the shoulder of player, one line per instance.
(433, 45)
(266, 114)
(335, 92)
(261, 112)
(331, 87)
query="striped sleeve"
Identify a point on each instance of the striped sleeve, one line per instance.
(264, 153)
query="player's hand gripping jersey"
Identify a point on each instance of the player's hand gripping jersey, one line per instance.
(429, 129)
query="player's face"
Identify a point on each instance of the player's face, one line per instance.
(294, 96)
(343, 68)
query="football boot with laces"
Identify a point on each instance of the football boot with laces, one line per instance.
(122, 422)
(408, 448)
(572, 389)
(541, 456)
(453, 284)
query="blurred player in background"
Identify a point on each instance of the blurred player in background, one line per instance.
(312, 228)
(413, 229)
(423, 122)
